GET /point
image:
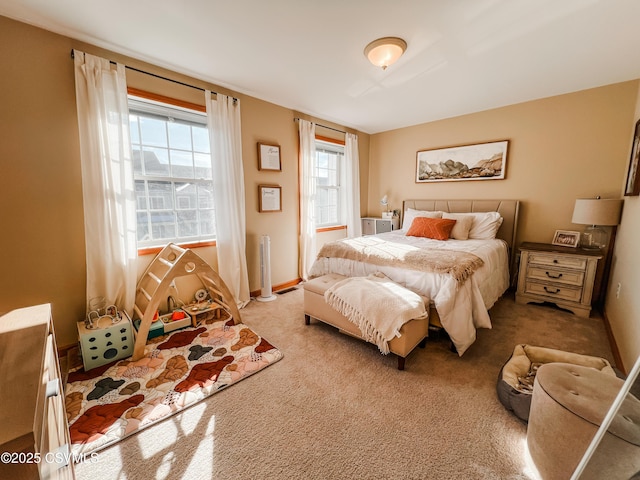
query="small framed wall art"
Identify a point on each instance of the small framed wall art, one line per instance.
(270, 198)
(269, 157)
(633, 179)
(566, 238)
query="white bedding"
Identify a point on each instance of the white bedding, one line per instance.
(462, 308)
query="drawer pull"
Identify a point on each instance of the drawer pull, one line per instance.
(53, 388)
(555, 260)
(553, 276)
(546, 289)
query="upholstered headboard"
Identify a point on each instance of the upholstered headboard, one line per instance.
(508, 209)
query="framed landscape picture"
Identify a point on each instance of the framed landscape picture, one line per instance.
(482, 161)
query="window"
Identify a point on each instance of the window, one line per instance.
(329, 160)
(172, 173)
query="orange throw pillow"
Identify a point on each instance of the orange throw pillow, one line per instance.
(436, 228)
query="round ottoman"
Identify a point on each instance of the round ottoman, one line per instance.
(515, 382)
(568, 405)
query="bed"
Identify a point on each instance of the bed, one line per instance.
(459, 304)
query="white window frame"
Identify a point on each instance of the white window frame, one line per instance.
(169, 113)
(326, 145)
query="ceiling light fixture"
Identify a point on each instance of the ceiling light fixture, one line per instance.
(385, 51)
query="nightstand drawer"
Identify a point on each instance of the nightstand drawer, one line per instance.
(566, 261)
(562, 293)
(568, 277)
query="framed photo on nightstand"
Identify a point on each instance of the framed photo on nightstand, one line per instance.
(566, 238)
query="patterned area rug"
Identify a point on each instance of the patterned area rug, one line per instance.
(108, 403)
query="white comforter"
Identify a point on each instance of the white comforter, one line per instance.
(462, 308)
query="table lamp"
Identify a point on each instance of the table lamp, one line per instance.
(596, 213)
(384, 201)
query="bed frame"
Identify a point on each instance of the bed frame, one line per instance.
(414, 332)
(508, 209)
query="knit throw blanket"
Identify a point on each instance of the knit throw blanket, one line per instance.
(378, 306)
(369, 249)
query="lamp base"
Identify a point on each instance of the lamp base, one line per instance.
(593, 238)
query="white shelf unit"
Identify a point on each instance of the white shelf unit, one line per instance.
(375, 225)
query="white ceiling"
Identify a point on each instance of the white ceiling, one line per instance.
(463, 56)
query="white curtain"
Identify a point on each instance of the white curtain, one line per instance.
(107, 180)
(223, 118)
(307, 159)
(351, 191)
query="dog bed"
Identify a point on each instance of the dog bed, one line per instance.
(515, 382)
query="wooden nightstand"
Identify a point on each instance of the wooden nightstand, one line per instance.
(560, 275)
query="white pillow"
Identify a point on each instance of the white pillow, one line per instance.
(464, 222)
(411, 213)
(485, 225)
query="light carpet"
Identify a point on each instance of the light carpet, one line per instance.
(335, 408)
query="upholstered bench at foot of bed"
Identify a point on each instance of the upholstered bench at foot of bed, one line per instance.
(413, 333)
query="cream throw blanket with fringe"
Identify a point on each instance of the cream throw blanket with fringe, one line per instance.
(371, 249)
(378, 306)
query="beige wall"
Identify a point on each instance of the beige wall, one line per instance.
(41, 198)
(623, 312)
(560, 148)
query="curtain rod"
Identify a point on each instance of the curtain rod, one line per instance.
(161, 77)
(323, 126)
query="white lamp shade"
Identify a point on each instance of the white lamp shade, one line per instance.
(597, 211)
(384, 200)
(385, 51)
